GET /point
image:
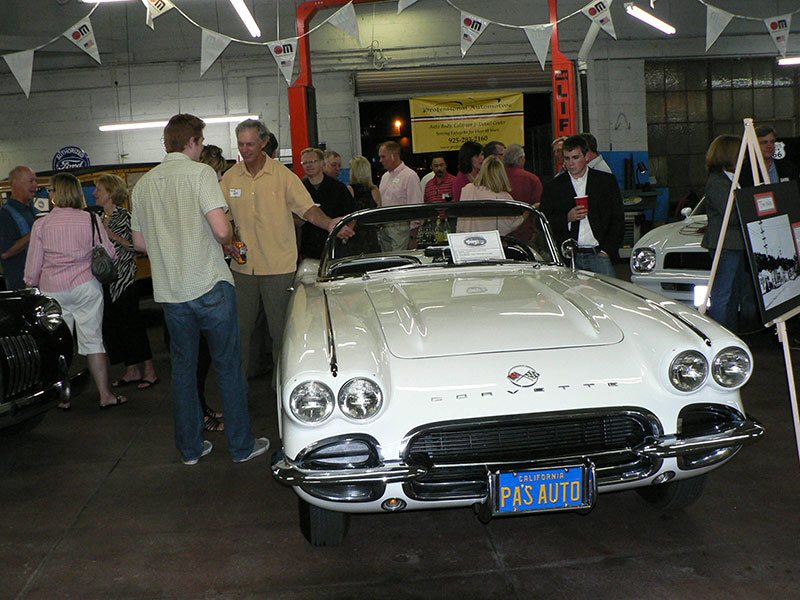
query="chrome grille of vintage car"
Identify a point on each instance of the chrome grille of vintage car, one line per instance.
(21, 364)
(463, 451)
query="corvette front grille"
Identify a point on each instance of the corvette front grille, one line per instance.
(464, 451)
(21, 364)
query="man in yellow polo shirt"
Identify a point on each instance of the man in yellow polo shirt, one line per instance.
(262, 195)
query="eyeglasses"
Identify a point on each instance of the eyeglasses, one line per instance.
(305, 163)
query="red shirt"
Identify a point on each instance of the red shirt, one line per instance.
(436, 188)
(525, 186)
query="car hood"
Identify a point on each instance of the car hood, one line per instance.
(683, 235)
(479, 313)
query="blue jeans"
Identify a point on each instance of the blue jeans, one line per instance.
(596, 263)
(213, 313)
(733, 291)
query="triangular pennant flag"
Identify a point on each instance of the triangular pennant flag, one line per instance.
(779, 30)
(156, 8)
(21, 65)
(82, 35)
(539, 37)
(211, 46)
(471, 29)
(404, 4)
(716, 22)
(345, 19)
(599, 11)
(283, 52)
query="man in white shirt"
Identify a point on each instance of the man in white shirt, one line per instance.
(399, 185)
(596, 160)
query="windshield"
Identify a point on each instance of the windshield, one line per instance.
(439, 235)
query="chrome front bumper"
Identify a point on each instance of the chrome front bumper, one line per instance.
(289, 473)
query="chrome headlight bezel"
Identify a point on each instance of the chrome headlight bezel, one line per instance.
(643, 260)
(688, 371)
(48, 314)
(360, 399)
(731, 367)
(311, 402)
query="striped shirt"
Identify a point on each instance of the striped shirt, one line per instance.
(436, 189)
(120, 224)
(60, 251)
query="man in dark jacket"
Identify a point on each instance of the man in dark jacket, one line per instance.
(778, 166)
(599, 228)
(330, 194)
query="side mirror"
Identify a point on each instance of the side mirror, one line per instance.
(685, 212)
(568, 248)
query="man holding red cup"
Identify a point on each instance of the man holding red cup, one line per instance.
(585, 205)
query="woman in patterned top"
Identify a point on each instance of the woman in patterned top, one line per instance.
(124, 332)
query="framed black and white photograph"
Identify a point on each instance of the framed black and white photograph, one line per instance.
(770, 216)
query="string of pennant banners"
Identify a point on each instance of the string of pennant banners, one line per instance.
(284, 50)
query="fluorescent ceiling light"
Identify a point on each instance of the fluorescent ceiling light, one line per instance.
(651, 20)
(154, 124)
(789, 60)
(246, 18)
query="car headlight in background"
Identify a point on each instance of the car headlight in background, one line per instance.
(311, 402)
(731, 367)
(688, 371)
(360, 399)
(643, 260)
(48, 314)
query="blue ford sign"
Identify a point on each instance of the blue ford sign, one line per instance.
(70, 157)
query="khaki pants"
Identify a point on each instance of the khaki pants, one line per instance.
(273, 291)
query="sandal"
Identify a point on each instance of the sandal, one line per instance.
(120, 383)
(63, 406)
(118, 401)
(210, 412)
(211, 423)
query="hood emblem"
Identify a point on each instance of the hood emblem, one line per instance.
(522, 376)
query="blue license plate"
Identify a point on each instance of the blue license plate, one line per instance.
(544, 489)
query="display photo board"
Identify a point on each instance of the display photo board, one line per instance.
(770, 217)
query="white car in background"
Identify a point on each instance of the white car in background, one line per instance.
(479, 371)
(670, 261)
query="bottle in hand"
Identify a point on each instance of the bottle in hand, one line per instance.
(240, 246)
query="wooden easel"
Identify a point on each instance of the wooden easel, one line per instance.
(760, 177)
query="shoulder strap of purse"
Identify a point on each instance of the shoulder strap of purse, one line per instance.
(95, 227)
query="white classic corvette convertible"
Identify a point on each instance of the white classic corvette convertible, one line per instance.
(478, 370)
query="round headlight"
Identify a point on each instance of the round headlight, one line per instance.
(311, 402)
(360, 399)
(48, 314)
(731, 367)
(688, 371)
(643, 260)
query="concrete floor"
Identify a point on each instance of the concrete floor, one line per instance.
(96, 504)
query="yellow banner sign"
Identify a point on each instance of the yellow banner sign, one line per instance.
(445, 122)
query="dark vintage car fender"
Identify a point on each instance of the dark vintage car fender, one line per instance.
(36, 352)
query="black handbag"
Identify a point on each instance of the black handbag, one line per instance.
(103, 267)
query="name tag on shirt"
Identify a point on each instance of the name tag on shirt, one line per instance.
(235, 192)
(396, 180)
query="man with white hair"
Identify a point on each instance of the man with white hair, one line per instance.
(16, 221)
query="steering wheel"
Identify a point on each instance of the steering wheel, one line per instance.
(512, 243)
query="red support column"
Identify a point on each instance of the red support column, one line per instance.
(565, 116)
(302, 97)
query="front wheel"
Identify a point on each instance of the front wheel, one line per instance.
(674, 495)
(322, 527)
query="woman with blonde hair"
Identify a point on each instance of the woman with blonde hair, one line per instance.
(366, 195)
(732, 295)
(491, 183)
(59, 264)
(124, 331)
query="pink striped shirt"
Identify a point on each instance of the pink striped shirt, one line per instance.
(60, 250)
